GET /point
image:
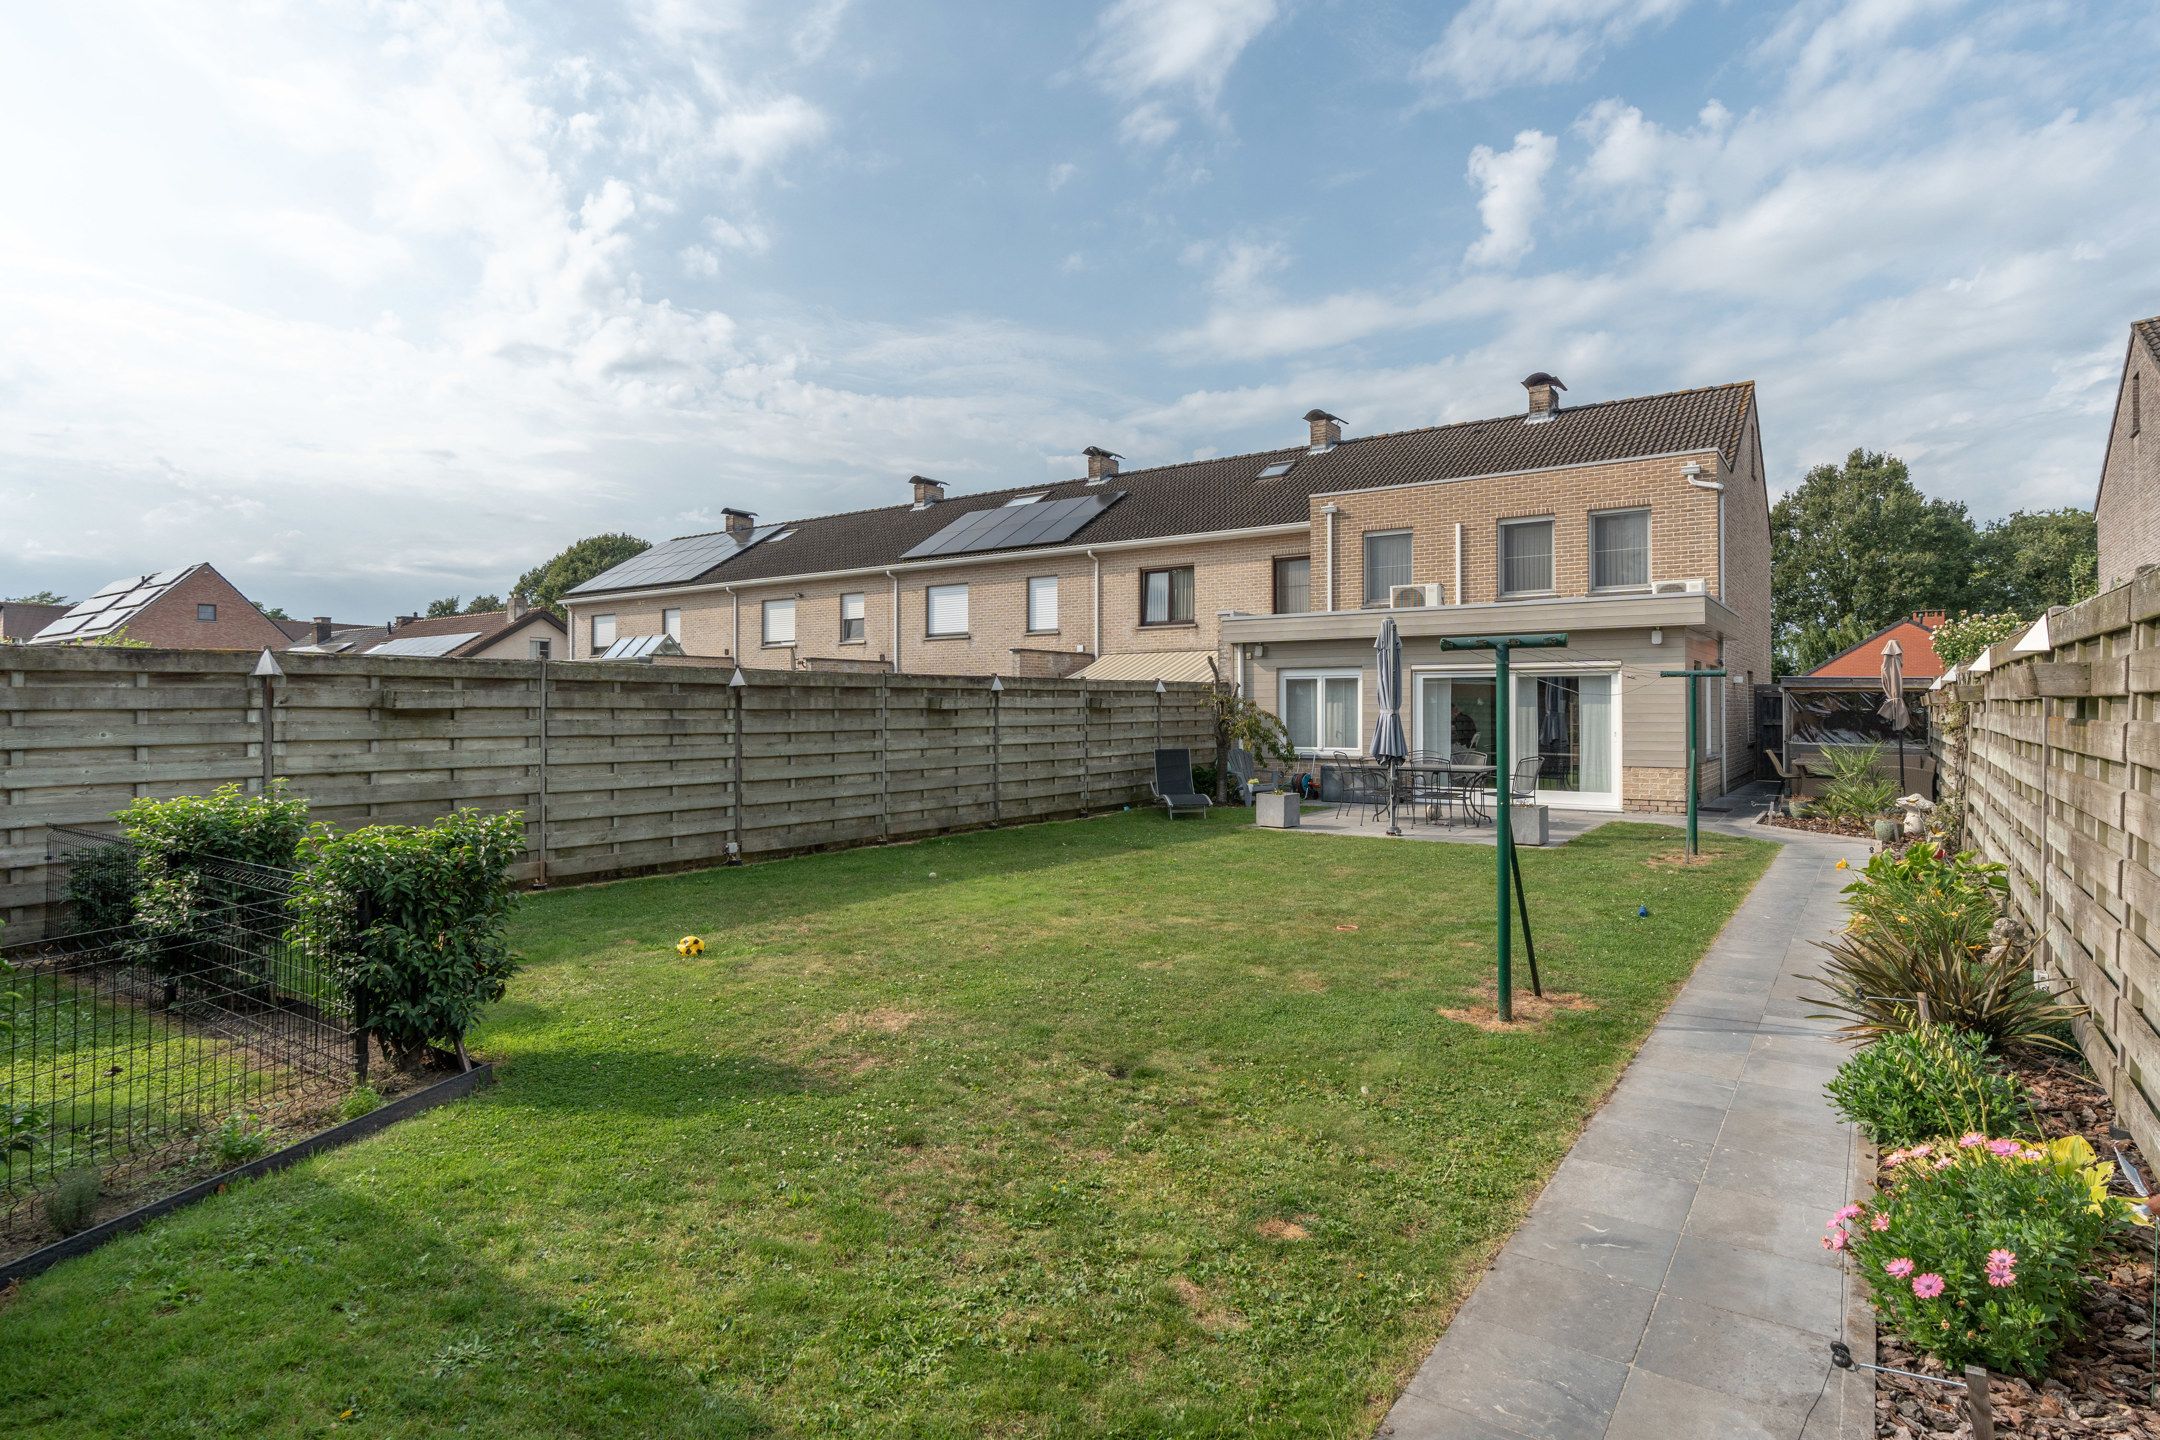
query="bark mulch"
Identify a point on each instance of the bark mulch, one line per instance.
(2101, 1383)
(1823, 827)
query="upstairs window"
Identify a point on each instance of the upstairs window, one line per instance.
(206, 612)
(1166, 596)
(603, 632)
(945, 610)
(671, 623)
(1525, 557)
(1387, 564)
(1042, 604)
(1293, 584)
(853, 628)
(540, 650)
(1620, 550)
(779, 622)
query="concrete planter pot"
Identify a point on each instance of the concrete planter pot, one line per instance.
(1276, 811)
(1531, 824)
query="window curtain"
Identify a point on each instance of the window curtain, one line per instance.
(1181, 596)
(1302, 718)
(1387, 564)
(1526, 557)
(1621, 552)
(948, 606)
(1597, 733)
(1340, 728)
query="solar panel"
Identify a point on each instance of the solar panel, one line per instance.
(1009, 527)
(110, 608)
(642, 647)
(424, 645)
(674, 561)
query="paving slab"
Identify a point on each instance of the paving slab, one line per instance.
(1670, 1282)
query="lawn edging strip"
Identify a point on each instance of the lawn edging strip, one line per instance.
(454, 1087)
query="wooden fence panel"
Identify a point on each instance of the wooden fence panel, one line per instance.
(617, 768)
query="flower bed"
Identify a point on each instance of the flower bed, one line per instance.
(2097, 1384)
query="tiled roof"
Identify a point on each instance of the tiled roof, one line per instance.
(20, 620)
(1200, 496)
(2149, 332)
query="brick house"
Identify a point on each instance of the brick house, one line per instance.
(2127, 508)
(1639, 526)
(516, 632)
(189, 608)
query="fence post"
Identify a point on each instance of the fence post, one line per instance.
(268, 671)
(884, 756)
(997, 773)
(1087, 758)
(736, 683)
(541, 804)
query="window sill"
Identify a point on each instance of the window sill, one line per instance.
(1529, 594)
(855, 642)
(956, 635)
(1168, 625)
(1039, 632)
(776, 645)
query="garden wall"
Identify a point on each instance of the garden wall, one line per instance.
(619, 768)
(2057, 755)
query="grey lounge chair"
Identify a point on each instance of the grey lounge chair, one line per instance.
(1174, 784)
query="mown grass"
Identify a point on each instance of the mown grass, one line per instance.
(1004, 1134)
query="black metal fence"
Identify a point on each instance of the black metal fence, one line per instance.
(133, 1044)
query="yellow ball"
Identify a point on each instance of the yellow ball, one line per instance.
(690, 945)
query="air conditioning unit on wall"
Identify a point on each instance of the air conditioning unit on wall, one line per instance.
(1678, 587)
(1413, 597)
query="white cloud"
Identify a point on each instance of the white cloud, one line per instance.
(1171, 53)
(757, 137)
(1493, 45)
(1060, 173)
(1512, 186)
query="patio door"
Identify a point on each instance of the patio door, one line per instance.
(1571, 722)
(1453, 713)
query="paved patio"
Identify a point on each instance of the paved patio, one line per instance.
(1670, 1281)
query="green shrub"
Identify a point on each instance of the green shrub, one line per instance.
(1976, 1250)
(1854, 793)
(1874, 972)
(193, 914)
(410, 921)
(1930, 895)
(1964, 635)
(240, 1139)
(71, 1204)
(17, 1122)
(101, 887)
(1927, 1082)
(360, 1100)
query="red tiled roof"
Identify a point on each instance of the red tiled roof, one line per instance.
(1916, 639)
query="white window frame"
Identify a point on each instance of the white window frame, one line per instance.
(861, 617)
(671, 623)
(1519, 672)
(540, 650)
(602, 632)
(1552, 558)
(1286, 678)
(1037, 587)
(768, 633)
(930, 605)
(1365, 562)
(1649, 555)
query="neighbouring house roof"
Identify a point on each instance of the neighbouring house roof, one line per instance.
(19, 620)
(1915, 635)
(110, 609)
(2149, 332)
(448, 636)
(1228, 493)
(303, 631)
(1152, 665)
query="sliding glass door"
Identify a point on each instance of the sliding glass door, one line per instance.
(1570, 721)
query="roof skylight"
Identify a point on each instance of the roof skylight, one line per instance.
(1277, 470)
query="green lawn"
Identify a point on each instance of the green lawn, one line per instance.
(1101, 1128)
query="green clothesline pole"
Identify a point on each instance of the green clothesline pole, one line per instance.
(1694, 769)
(1503, 783)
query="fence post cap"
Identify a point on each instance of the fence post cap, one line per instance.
(736, 681)
(267, 667)
(1160, 688)
(997, 685)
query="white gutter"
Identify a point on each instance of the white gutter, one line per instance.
(1330, 511)
(942, 563)
(895, 620)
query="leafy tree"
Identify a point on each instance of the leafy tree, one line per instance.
(2032, 559)
(545, 583)
(37, 597)
(448, 605)
(275, 612)
(482, 604)
(1855, 546)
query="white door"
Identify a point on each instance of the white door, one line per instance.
(1571, 722)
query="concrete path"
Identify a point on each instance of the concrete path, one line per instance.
(1670, 1282)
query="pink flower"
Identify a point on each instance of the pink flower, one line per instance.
(1879, 1222)
(1927, 1286)
(1919, 1150)
(2001, 1268)
(1835, 1239)
(2004, 1147)
(1849, 1212)
(2031, 1155)
(1944, 1162)
(1894, 1158)
(1971, 1138)
(1898, 1268)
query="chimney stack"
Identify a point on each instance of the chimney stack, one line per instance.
(738, 524)
(516, 606)
(1102, 464)
(400, 622)
(1326, 430)
(1544, 395)
(322, 629)
(927, 491)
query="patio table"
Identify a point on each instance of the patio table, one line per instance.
(1469, 779)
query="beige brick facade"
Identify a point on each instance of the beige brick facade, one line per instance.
(2128, 508)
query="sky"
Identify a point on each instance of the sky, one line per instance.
(368, 304)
